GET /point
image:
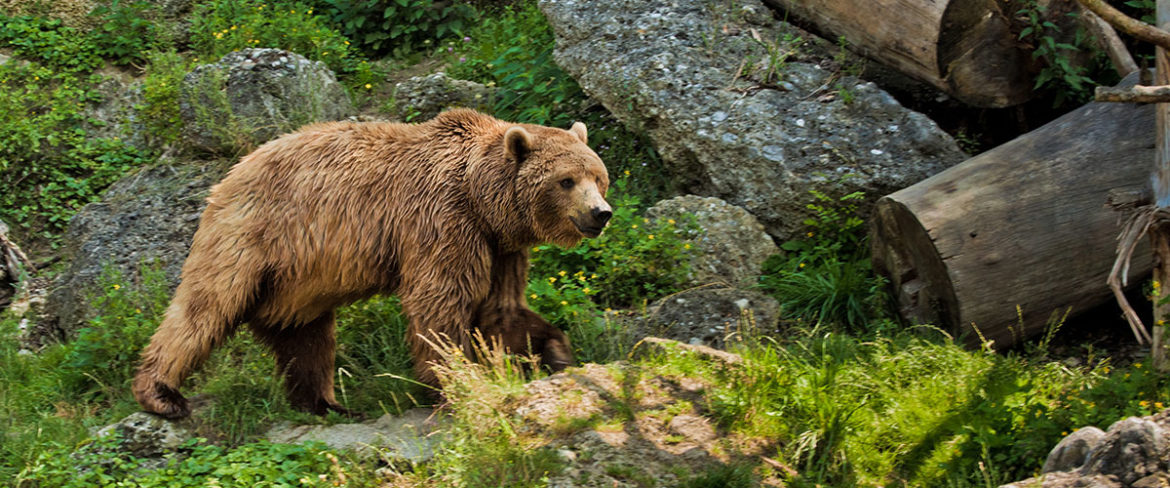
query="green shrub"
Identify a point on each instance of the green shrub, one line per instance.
(397, 26)
(103, 358)
(514, 53)
(222, 26)
(258, 464)
(126, 33)
(49, 166)
(50, 42)
(160, 96)
(827, 277)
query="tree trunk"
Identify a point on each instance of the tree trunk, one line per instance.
(1024, 224)
(1160, 233)
(963, 47)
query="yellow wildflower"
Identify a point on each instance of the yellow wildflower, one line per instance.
(627, 172)
(533, 296)
(586, 290)
(635, 226)
(810, 234)
(552, 279)
(368, 86)
(651, 237)
(593, 276)
(670, 221)
(1158, 405)
(564, 302)
(563, 272)
(802, 265)
(117, 286)
(687, 246)
(1144, 403)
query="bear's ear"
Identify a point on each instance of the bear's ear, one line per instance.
(517, 143)
(578, 129)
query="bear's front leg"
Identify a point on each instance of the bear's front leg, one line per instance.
(521, 331)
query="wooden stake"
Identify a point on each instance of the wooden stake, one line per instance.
(1137, 94)
(1160, 233)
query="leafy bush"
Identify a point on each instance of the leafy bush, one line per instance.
(50, 42)
(49, 166)
(398, 26)
(514, 52)
(104, 357)
(255, 464)
(126, 33)
(827, 277)
(222, 26)
(160, 96)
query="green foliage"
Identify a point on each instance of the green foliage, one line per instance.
(514, 52)
(1146, 8)
(1068, 81)
(49, 166)
(49, 42)
(222, 26)
(105, 355)
(398, 26)
(827, 277)
(160, 96)
(723, 476)
(373, 359)
(126, 33)
(258, 464)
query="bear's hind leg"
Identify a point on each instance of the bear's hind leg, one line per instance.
(304, 355)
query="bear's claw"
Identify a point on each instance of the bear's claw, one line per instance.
(168, 403)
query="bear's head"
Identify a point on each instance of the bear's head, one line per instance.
(562, 181)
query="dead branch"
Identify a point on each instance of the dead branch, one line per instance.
(1110, 42)
(1136, 28)
(1137, 94)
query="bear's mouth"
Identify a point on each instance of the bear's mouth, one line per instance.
(588, 230)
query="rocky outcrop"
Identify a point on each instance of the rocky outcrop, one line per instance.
(728, 244)
(1134, 452)
(251, 96)
(147, 217)
(711, 316)
(405, 439)
(114, 115)
(423, 97)
(738, 107)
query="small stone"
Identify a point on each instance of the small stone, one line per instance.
(1073, 450)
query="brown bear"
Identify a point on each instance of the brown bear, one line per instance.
(441, 213)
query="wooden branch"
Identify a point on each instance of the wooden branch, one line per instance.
(1110, 42)
(1137, 94)
(1128, 198)
(1136, 28)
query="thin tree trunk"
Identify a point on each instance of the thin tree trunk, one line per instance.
(1160, 234)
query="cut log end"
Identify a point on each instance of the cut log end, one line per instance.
(904, 253)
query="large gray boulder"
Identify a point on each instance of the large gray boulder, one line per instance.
(1133, 452)
(728, 244)
(739, 109)
(423, 97)
(713, 316)
(251, 96)
(146, 218)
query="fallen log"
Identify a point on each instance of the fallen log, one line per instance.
(963, 47)
(1025, 224)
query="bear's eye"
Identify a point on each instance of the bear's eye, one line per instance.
(567, 183)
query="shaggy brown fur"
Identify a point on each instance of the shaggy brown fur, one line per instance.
(441, 213)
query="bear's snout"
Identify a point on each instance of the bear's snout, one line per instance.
(601, 215)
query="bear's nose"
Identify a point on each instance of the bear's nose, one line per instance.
(601, 216)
